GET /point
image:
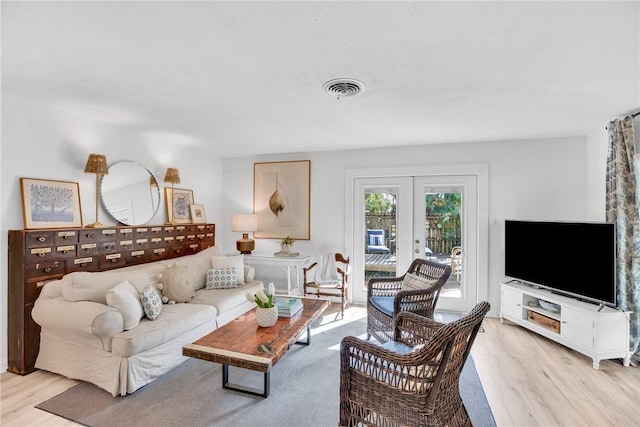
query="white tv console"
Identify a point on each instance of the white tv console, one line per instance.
(600, 332)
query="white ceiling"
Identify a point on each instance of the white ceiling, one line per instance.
(244, 78)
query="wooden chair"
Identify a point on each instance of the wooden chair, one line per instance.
(412, 380)
(386, 297)
(331, 288)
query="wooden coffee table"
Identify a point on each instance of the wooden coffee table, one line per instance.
(244, 344)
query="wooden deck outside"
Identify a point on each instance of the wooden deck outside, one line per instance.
(387, 262)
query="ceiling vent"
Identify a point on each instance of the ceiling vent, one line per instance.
(343, 87)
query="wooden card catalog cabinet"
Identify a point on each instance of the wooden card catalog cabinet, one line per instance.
(39, 256)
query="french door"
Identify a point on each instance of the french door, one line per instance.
(434, 216)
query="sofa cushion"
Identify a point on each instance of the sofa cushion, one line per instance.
(151, 302)
(412, 282)
(125, 298)
(221, 278)
(198, 263)
(226, 299)
(236, 261)
(177, 284)
(86, 286)
(249, 273)
(174, 321)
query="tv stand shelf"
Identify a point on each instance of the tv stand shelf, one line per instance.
(598, 331)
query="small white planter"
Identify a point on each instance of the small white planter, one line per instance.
(267, 316)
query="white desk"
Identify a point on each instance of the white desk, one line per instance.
(285, 262)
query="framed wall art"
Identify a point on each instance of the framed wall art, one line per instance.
(178, 201)
(281, 199)
(197, 214)
(50, 204)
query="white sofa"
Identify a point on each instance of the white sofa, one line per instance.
(84, 338)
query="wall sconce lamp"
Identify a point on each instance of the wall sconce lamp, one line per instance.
(173, 176)
(97, 163)
(244, 223)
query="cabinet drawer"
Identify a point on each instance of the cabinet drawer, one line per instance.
(181, 229)
(38, 238)
(141, 232)
(175, 251)
(158, 253)
(107, 234)
(66, 237)
(65, 251)
(156, 231)
(88, 235)
(141, 244)
(114, 260)
(137, 256)
(82, 264)
(125, 234)
(192, 248)
(108, 247)
(125, 245)
(87, 249)
(39, 254)
(169, 231)
(44, 270)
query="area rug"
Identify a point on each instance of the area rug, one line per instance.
(304, 392)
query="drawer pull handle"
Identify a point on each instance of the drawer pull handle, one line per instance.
(178, 251)
(89, 235)
(41, 239)
(41, 254)
(47, 270)
(114, 260)
(84, 264)
(66, 237)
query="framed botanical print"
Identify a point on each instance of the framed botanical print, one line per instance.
(281, 199)
(178, 202)
(50, 204)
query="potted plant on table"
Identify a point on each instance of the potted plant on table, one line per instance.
(267, 311)
(285, 244)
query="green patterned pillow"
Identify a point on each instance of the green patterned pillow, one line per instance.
(222, 278)
(151, 301)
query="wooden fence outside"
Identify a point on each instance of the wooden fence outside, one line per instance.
(439, 240)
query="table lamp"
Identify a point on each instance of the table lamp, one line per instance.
(97, 163)
(244, 223)
(173, 176)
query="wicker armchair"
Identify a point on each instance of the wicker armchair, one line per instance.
(412, 380)
(385, 297)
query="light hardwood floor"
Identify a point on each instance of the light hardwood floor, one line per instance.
(528, 380)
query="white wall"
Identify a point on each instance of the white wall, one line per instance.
(542, 179)
(54, 141)
(533, 179)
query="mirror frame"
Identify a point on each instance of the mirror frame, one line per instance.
(155, 198)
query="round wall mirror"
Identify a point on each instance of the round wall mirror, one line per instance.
(130, 193)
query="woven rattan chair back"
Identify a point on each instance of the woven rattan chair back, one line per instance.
(418, 386)
(422, 302)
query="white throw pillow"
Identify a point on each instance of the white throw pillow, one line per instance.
(249, 273)
(126, 300)
(236, 261)
(412, 282)
(151, 302)
(222, 278)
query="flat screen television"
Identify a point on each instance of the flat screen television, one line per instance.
(573, 258)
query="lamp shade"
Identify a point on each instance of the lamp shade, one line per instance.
(97, 163)
(244, 222)
(172, 176)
